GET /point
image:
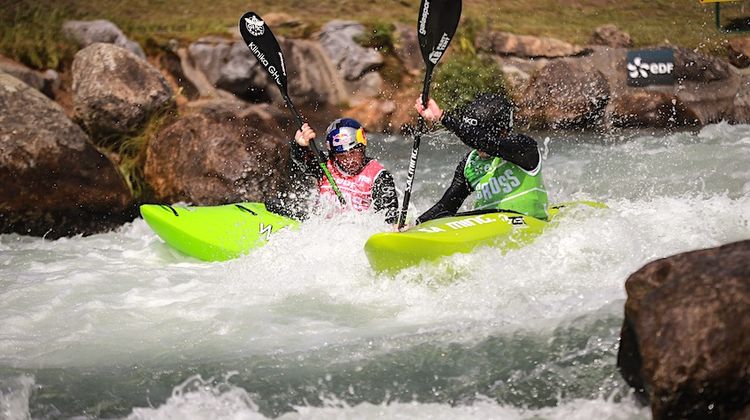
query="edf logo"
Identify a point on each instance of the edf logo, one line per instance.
(639, 68)
(651, 67)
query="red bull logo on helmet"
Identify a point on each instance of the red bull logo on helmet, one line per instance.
(343, 139)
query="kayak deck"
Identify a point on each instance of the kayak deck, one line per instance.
(434, 239)
(214, 233)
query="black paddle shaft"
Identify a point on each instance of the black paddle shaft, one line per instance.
(437, 23)
(264, 46)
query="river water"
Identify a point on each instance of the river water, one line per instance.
(120, 325)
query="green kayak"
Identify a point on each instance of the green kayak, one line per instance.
(214, 233)
(392, 251)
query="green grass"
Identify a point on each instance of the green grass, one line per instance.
(29, 29)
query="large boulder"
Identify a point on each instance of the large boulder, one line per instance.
(653, 106)
(508, 44)
(54, 182)
(704, 91)
(116, 92)
(684, 344)
(220, 152)
(90, 32)
(566, 93)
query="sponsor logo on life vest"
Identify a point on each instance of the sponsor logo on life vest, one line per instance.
(504, 183)
(471, 121)
(254, 26)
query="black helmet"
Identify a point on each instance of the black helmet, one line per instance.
(487, 115)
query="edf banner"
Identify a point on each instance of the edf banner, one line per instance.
(651, 67)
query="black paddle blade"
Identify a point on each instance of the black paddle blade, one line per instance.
(265, 47)
(438, 20)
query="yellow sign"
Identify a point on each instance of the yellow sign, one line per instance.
(716, 1)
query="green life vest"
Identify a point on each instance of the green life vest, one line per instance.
(502, 185)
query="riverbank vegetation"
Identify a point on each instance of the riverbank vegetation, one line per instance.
(30, 32)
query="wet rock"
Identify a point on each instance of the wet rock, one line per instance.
(115, 92)
(649, 108)
(738, 51)
(707, 85)
(54, 182)
(566, 93)
(691, 66)
(684, 343)
(338, 39)
(508, 44)
(611, 36)
(218, 153)
(90, 32)
(45, 82)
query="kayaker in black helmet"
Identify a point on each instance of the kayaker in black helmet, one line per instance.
(503, 169)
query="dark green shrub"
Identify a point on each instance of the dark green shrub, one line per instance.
(463, 76)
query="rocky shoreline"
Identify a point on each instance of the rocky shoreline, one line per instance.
(135, 109)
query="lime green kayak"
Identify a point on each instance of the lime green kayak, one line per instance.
(214, 233)
(392, 251)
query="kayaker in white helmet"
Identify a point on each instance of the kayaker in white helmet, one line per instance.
(503, 169)
(362, 180)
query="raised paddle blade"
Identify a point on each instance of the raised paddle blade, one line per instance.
(265, 48)
(438, 20)
(436, 25)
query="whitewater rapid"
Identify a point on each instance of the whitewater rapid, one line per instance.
(121, 325)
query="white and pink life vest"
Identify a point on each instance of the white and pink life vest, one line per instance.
(356, 189)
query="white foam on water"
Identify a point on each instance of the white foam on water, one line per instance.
(199, 399)
(125, 298)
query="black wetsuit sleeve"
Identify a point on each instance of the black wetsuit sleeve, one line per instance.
(452, 199)
(516, 148)
(384, 196)
(304, 160)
